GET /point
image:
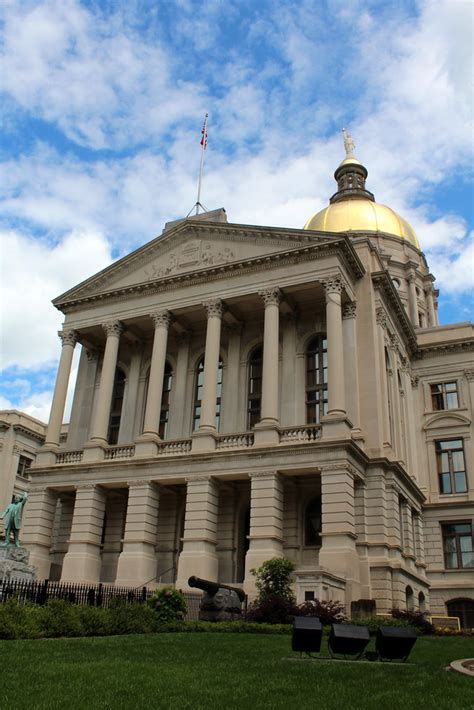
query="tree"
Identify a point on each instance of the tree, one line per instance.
(274, 578)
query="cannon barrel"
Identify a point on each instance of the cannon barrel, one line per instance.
(212, 587)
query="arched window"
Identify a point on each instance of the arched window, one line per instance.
(198, 392)
(464, 610)
(116, 406)
(254, 397)
(421, 602)
(316, 379)
(165, 400)
(313, 523)
(409, 599)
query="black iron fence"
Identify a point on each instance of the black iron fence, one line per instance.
(99, 595)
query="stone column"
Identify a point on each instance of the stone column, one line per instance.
(338, 552)
(100, 427)
(431, 307)
(211, 364)
(37, 528)
(271, 298)
(199, 556)
(336, 391)
(137, 563)
(412, 299)
(128, 424)
(82, 562)
(289, 388)
(177, 427)
(68, 339)
(231, 384)
(351, 365)
(151, 423)
(266, 522)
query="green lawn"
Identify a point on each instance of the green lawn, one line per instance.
(215, 671)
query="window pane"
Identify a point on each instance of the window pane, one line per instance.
(467, 559)
(445, 483)
(451, 561)
(452, 400)
(444, 462)
(460, 485)
(465, 543)
(458, 461)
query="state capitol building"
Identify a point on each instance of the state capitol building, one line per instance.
(247, 392)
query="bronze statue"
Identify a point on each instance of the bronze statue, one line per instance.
(12, 519)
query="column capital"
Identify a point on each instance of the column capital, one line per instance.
(381, 316)
(333, 284)
(113, 327)
(214, 307)
(68, 337)
(394, 342)
(411, 277)
(16, 450)
(349, 310)
(342, 467)
(271, 296)
(92, 354)
(414, 381)
(469, 375)
(161, 318)
(262, 474)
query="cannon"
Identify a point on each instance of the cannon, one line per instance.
(220, 602)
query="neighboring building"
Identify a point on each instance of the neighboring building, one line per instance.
(245, 392)
(20, 438)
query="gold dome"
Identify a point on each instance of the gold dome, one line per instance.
(361, 215)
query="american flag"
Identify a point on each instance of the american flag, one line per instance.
(204, 134)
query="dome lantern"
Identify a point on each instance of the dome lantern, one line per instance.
(353, 208)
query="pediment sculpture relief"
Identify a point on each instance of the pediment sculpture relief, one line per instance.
(192, 255)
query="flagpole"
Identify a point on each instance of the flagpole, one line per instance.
(201, 168)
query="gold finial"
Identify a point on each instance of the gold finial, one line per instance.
(349, 144)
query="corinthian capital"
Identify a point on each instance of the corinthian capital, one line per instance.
(214, 307)
(349, 310)
(113, 327)
(161, 318)
(68, 337)
(333, 284)
(271, 296)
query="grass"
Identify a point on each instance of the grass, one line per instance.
(221, 671)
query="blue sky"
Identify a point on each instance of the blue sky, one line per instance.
(102, 106)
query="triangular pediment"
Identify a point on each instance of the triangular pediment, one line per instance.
(190, 247)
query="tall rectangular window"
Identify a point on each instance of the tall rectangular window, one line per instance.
(444, 396)
(457, 545)
(24, 464)
(451, 466)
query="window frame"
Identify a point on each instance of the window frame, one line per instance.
(442, 396)
(115, 417)
(198, 389)
(165, 400)
(457, 536)
(254, 397)
(451, 474)
(316, 407)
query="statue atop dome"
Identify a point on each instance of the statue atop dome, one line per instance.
(349, 144)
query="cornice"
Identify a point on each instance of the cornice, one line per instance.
(310, 250)
(446, 348)
(383, 282)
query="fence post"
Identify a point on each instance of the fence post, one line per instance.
(99, 596)
(144, 594)
(42, 597)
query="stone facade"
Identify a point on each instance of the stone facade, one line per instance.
(245, 392)
(20, 438)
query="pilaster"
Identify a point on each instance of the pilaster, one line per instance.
(37, 528)
(82, 562)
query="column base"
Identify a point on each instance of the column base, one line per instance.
(199, 559)
(137, 565)
(338, 555)
(94, 451)
(336, 426)
(46, 456)
(82, 563)
(40, 559)
(266, 433)
(147, 445)
(203, 440)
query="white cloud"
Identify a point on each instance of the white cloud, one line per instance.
(33, 273)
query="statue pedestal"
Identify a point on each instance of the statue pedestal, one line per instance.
(14, 565)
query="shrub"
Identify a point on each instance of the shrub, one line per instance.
(95, 621)
(373, 623)
(414, 618)
(273, 609)
(328, 612)
(132, 619)
(169, 604)
(59, 618)
(273, 579)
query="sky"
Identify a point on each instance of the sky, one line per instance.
(102, 104)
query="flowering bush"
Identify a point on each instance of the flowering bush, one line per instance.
(327, 612)
(169, 604)
(273, 609)
(414, 618)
